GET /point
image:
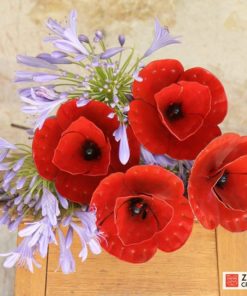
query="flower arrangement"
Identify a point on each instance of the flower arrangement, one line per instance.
(125, 154)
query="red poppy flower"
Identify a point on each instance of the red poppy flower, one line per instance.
(141, 211)
(77, 149)
(176, 112)
(218, 184)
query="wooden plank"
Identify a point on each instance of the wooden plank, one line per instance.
(232, 256)
(30, 284)
(190, 271)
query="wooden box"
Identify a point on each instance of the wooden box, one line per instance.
(194, 270)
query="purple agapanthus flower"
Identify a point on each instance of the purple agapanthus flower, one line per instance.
(121, 136)
(66, 39)
(5, 147)
(82, 102)
(121, 39)
(25, 76)
(87, 232)
(136, 75)
(7, 178)
(98, 36)
(181, 167)
(63, 201)
(56, 57)
(14, 224)
(41, 101)
(35, 62)
(49, 205)
(40, 235)
(107, 54)
(86, 240)
(162, 38)
(22, 256)
(161, 160)
(66, 260)
(19, 164)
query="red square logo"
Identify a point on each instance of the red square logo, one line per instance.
(231, 280)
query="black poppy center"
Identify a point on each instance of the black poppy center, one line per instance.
(174, 111)
(222, 181)
(138, 207)
(91, 151)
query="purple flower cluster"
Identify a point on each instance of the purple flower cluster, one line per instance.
(181, 168)
(39, 234)
(89, 236)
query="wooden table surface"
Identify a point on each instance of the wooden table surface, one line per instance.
(194, 270)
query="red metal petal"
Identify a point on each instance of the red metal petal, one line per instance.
(233, 193)
(204, 203)
(154, 180)
(68, 112)
(191, 147)
(148, 128)
(133, 229)
(238, 150)
(156, 75)
(176, 233)
(232, 220)
(137, 253)
(68, 155)
(77, 188)
(219, 99)
(105, 195)
(94, 111)
(194, 102)
(44, 143)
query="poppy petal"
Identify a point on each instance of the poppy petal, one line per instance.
(154, 180)
(183, 107)
(204, 204)
(77, 188)
(94, 111)
(68, 112)
(239, 149)
(233, 192)
(44, 144)
(232, 220)
(105, 195)
(80, 138)
(148, 128)
(176, 233)
(137, 253)
(155, 76)
(134, 228)
(219, 99)
(191, 147)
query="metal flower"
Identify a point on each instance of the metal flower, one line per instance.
(22, 256)
(162, 38)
